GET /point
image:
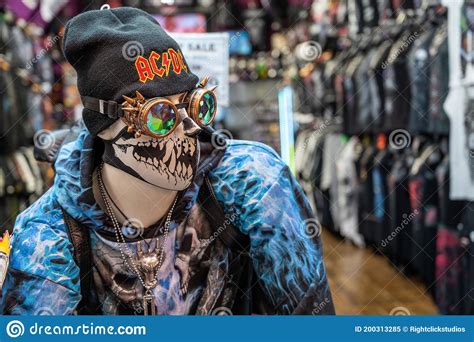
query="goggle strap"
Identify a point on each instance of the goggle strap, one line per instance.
(182, 105)
(108, 108)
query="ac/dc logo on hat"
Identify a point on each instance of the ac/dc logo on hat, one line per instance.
(160, 64)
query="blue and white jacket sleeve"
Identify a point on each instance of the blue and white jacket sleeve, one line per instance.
(43, 278)
(272, 209)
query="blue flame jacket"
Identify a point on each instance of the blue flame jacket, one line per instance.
(251, 183)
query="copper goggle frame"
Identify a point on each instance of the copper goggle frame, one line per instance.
(136, 109)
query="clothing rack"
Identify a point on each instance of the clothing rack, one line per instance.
(381, 179)
(33, 104)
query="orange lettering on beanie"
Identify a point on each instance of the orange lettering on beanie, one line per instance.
(154, 57)
(175, 60)
(147, 69)
(143, 69)
(181, 61)
(165, 61)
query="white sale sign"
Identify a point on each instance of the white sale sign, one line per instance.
(207, 54)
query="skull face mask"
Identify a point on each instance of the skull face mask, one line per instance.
(169, 163)
(155, 138)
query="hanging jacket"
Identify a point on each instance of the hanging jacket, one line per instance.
(256, 190)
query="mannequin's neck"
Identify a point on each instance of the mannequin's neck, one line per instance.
(136, 199)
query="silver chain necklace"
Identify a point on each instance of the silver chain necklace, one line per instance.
(152, 261)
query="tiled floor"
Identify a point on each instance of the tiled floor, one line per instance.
(363, 283)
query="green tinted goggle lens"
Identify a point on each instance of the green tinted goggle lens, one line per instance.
(160, 119)
(207, 108)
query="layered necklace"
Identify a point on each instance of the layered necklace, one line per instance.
(149, 262)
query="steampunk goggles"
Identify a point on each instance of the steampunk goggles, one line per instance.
(158, 117)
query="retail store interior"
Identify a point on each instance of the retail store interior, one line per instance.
(369, 102)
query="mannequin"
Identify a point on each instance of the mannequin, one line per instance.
(146, 195)
(224, 228)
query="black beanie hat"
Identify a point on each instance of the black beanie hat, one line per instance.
(119, 51)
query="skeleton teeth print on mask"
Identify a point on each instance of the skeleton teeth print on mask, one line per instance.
(169, 163)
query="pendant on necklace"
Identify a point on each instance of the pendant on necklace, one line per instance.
(148, 265)
(149, 304)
